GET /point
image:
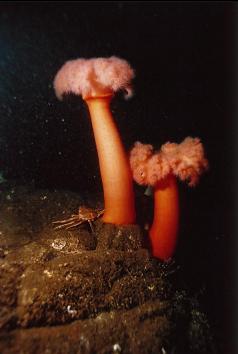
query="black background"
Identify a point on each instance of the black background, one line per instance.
(183, 55)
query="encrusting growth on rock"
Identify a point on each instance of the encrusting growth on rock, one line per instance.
(159, 170)
(96, 80)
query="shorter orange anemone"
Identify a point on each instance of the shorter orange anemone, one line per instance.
(159, 170)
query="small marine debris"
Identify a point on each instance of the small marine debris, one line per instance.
(58, 244)
(116, 348)
(48, 273)
(71, 311)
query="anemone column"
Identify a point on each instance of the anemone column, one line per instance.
(164, 229)
(114, 165)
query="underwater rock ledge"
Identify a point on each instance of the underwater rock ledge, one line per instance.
(78, 291)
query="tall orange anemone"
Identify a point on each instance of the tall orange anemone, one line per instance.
(96, 80)
(159, 170)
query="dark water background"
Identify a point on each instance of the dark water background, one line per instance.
(183, 57)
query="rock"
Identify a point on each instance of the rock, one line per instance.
(118, 237)
(83, 291)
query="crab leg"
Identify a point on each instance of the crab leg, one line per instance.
(100, 213)
(91, 225)
(68, 225)
(74, 225)
(73, 217)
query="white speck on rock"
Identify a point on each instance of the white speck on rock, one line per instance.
(83, 343)
(112, 314)
(116, 348)
(119, 233)
(58, 244)
(99, 317)
(68, 276)
(48, 273)
(71, 311)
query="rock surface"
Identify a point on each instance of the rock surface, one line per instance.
(86, 291)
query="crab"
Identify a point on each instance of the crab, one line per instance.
(84, 215)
